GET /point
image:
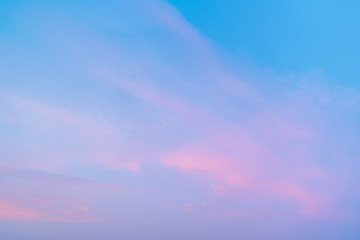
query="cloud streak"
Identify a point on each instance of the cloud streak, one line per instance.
(154, 118)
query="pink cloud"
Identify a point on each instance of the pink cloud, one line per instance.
(10, 211)
(243, 161)
(310, 204)
(16, 211)
(256, 154)
(205, 160)
(31, 195)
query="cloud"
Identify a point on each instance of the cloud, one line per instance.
(35, 175)
(260, 137)
(246, 170)
(280, 140)
(16, 211)
(116, 161)
(36, 196)
(73, 121)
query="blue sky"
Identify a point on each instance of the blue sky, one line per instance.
(201, 119)
(288, 36)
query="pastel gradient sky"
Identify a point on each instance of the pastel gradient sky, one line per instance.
(202, 119)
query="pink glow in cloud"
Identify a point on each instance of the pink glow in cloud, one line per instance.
(9, 210)
(259, 153)
(15, 211)
(203, 160)
(241, 160)
(310, 204)
(227, 171)
(58, 197)
(266, 149)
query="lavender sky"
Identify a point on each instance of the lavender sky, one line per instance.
(154, 119)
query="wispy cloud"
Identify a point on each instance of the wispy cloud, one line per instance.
(172, 104)
(9, 210)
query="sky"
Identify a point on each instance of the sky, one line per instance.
(155, 119)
